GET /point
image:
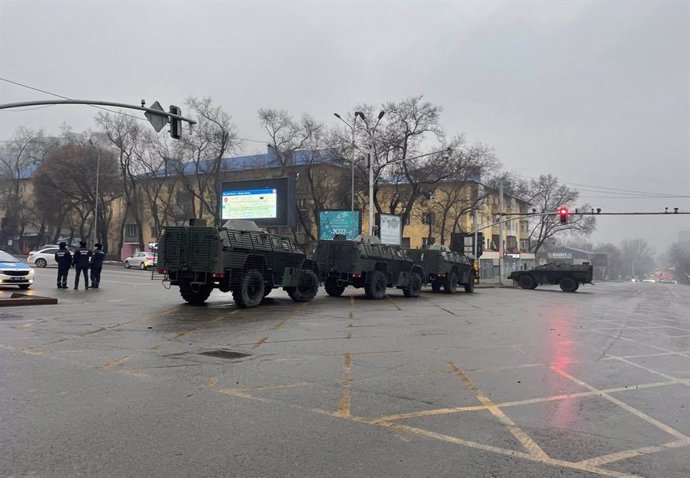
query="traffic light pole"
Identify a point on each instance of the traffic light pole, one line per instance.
(172, 115)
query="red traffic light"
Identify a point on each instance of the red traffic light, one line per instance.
(563, 214)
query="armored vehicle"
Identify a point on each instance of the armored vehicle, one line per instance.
(567, 276)
(444, 268)
(366, 262)
(237, 257)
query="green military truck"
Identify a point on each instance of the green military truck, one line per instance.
(567, 276)
(366, 262)
(238, 257)
(444, 268)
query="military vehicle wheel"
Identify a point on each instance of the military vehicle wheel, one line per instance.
(568, 284)
(375, 287)
(526, 282)
(251, 289)
(307, 287)
(414, 287)
(577, 286)
(194, 294)
(450, 286)
(435, 286)
(469, 287)
(333, 289)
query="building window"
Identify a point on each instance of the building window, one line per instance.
(406, 242)
(428, 218)
(428, 241)
(131, 231)
(524, 245)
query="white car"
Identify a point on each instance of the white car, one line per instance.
(142, 260)
(15, 272)
(43, 257)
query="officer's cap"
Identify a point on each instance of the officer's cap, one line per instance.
(62, 244)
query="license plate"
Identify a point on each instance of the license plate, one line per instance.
(18, 278)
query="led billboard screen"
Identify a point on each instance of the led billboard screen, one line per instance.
(268, 202)
(339, 223)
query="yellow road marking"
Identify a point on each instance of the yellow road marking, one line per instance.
(530, 401)
(212, 383)
(626, 454)
(114, 364)
(346, 384)
(420, 432)
(260, 342)
(530, 445)
(393, 303)
(634, 411)
(647, 369)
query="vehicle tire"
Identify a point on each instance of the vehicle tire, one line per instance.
(142, 265)
(375, 287)
(469, 287)
(307, 287)
(40, 262)
(568, 284)
(127, 266)
(333, 289)
(414, 286)
(24, 286)
(450, 285)
(577, 286)
(526, 282)
(436, 286)
(195, 294)
(251, 289)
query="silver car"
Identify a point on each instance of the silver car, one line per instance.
(142, 260)
(43, 257)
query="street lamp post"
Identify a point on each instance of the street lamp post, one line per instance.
(353, 128)
(98, 175)
(370, 157)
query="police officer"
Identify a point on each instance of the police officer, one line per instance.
(96, 265)
(63, 257)
(81, 259)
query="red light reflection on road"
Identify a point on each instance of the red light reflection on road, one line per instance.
(560, 349)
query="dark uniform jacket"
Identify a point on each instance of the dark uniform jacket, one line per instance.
(64, 258)
(97, 259)
(82, 257)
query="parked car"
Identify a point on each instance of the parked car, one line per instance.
(43, 257)
(142, 260)
(15, 272)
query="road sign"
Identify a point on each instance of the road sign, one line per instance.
(157, 121)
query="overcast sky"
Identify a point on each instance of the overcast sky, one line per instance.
(595, 92)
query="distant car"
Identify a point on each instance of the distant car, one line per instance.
(142, 260)
(649, 279)
(15, 272)
(43, 257)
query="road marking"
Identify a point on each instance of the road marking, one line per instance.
(530, 445)
(392, 302)
(345, 384)
(625, 406)
(626, 454)
(529, 401)
(260, 342)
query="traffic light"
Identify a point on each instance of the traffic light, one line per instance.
(175, 123)
(563, 214)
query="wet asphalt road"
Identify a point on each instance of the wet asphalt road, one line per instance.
(130, 381)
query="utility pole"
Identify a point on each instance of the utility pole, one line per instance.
(500, 234)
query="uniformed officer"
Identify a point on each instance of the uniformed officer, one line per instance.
(97, 265)
(63, 257)
(81, 259)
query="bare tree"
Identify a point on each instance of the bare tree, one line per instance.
(65, 188)
(637, 258)
(546, 195)
(200, 156)
(679, 254)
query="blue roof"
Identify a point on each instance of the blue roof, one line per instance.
(254, 161)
